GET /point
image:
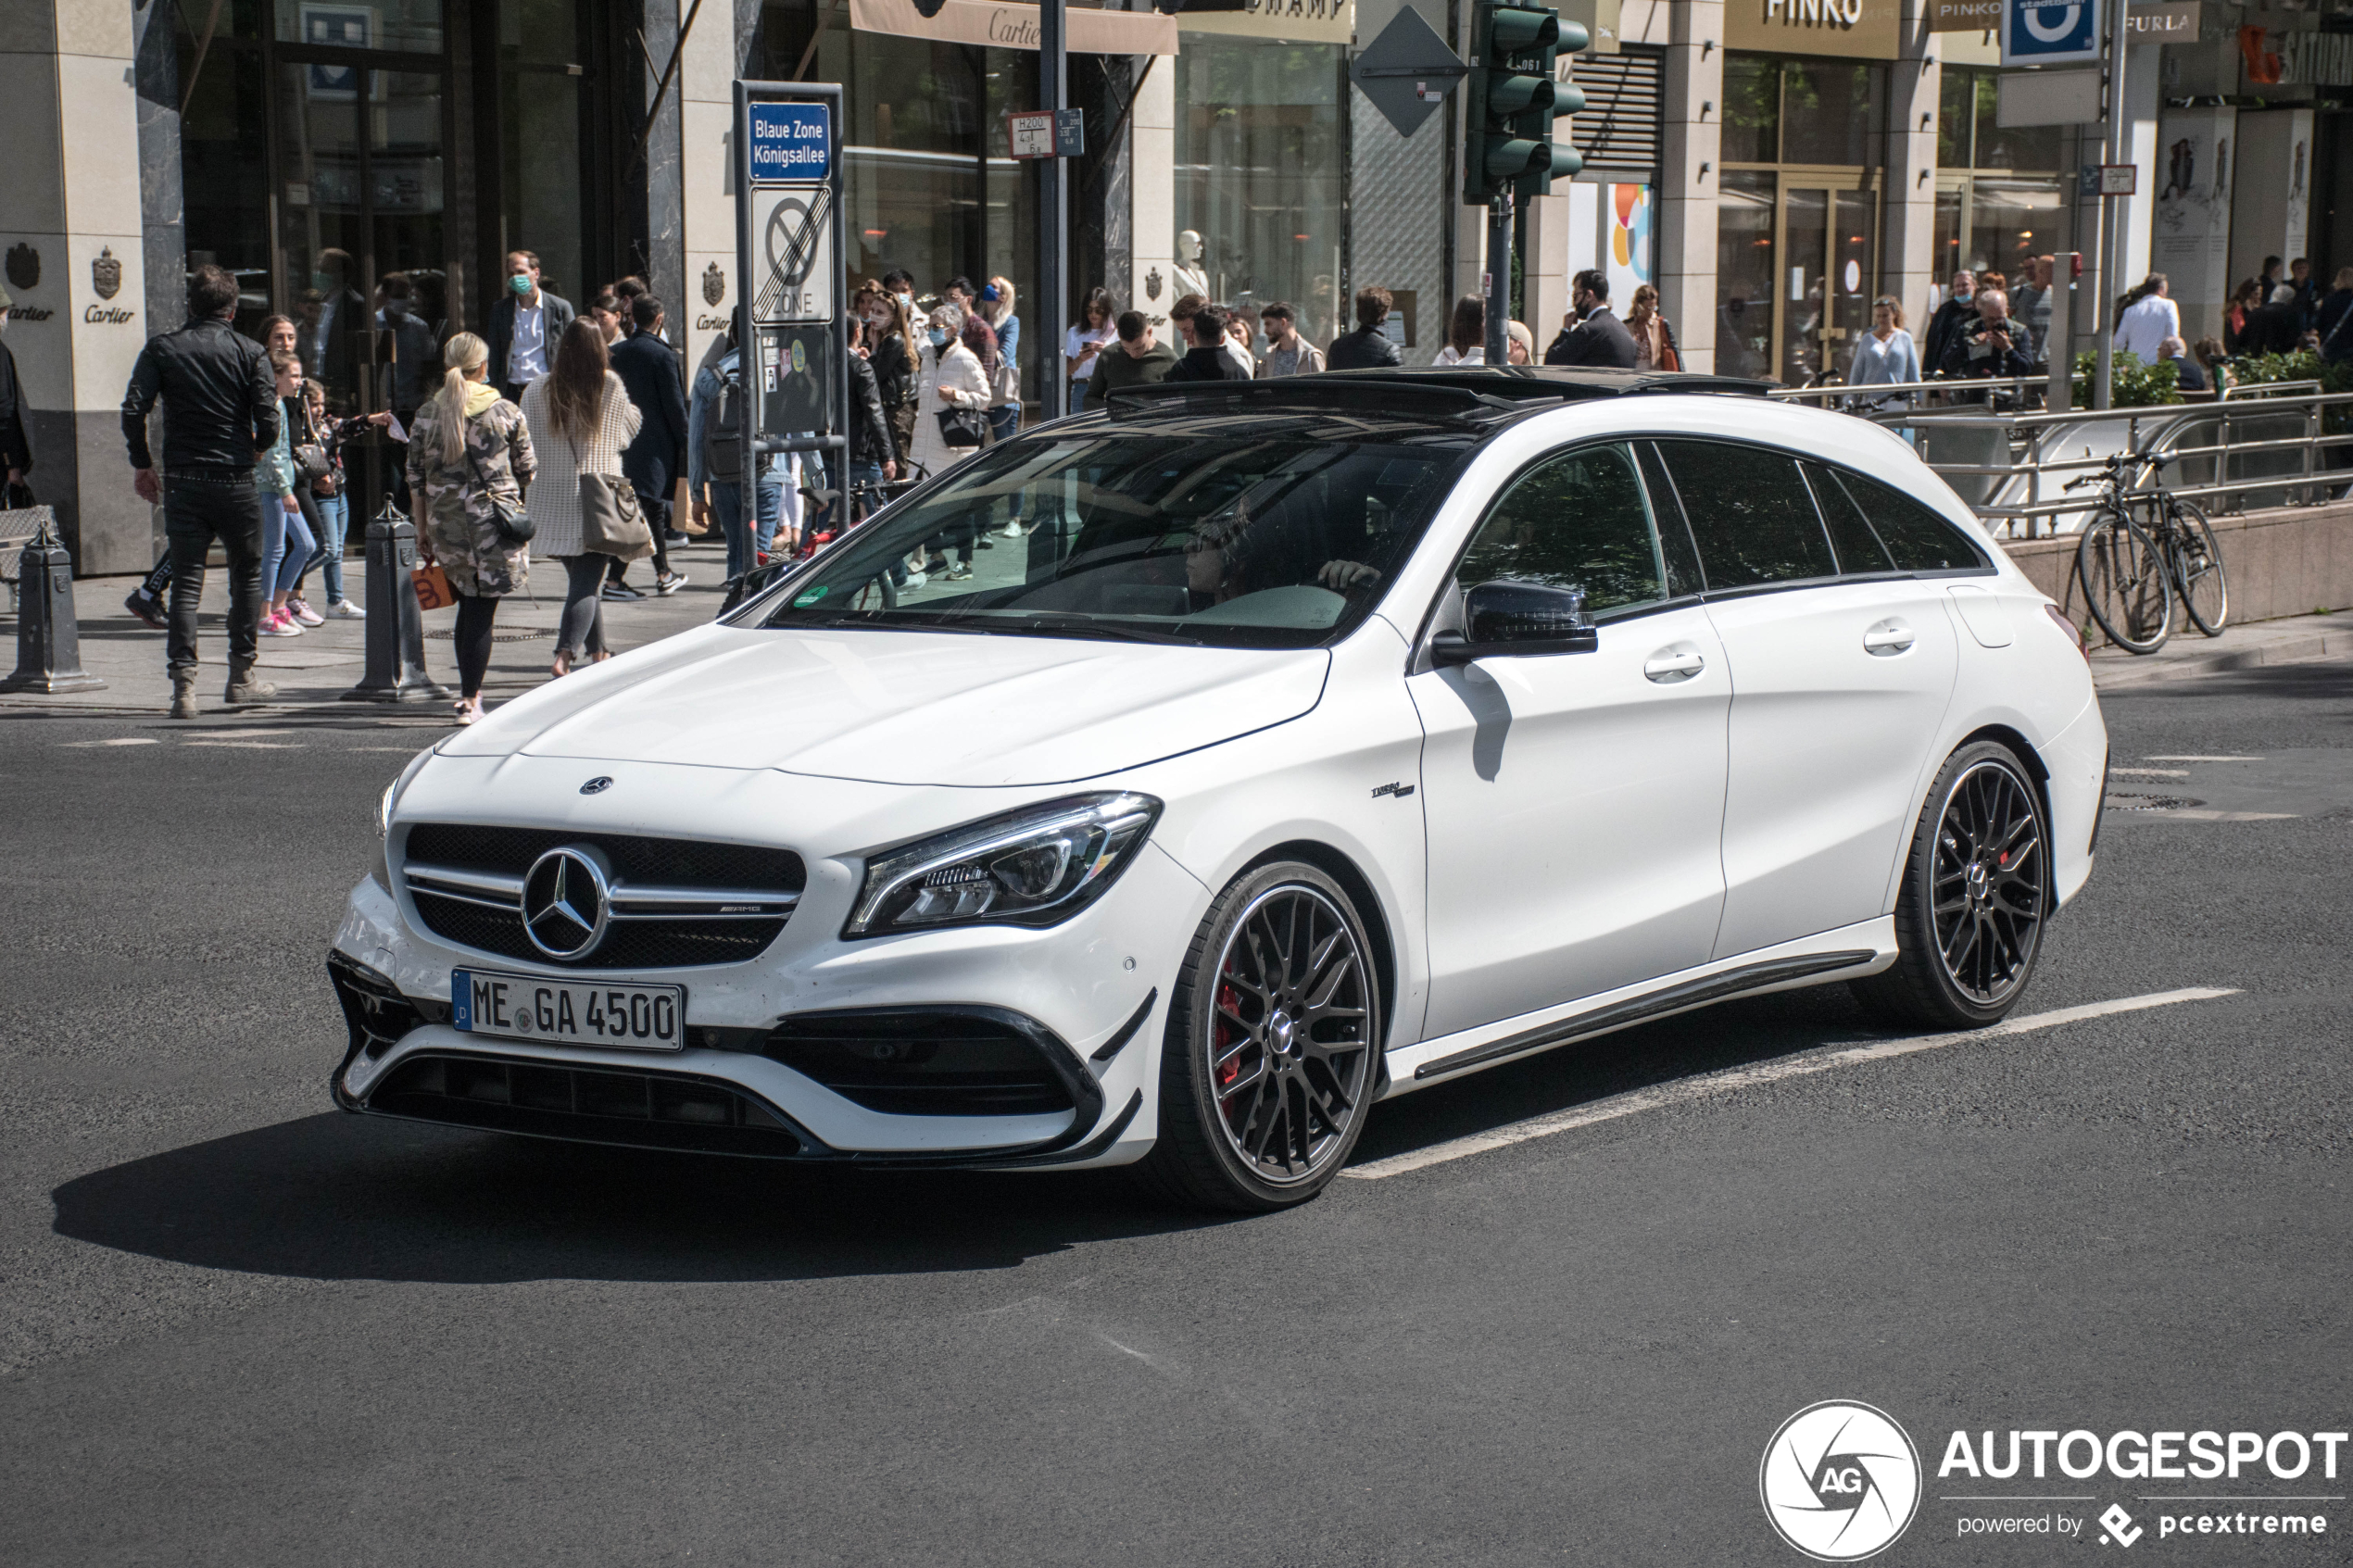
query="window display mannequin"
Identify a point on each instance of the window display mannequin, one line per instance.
(1191, 277)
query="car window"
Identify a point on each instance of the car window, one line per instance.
(1578, 521)
(1246, 538)
(1750, 513)
(1914, 536)
(1675, 546)
(1858, 548)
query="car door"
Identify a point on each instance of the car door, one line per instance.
(1573, 800)
(1840, 681)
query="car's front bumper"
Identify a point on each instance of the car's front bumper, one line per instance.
(1089, 998)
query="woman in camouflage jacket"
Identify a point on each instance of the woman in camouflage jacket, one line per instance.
(470, 446)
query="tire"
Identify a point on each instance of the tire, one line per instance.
(1278, 998)
(2198, 569)
(1965, 958)
(2125, 585)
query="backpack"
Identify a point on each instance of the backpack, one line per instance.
(723, 430)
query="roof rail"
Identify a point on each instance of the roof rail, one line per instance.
(1465, 390)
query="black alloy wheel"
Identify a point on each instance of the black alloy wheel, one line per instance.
(1271, 1055)
(1977, 888)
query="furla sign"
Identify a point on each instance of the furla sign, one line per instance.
(1867, 29)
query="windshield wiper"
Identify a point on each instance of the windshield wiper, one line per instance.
(1071, 623)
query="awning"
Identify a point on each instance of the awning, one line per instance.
(1015, 26)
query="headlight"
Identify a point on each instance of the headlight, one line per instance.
(1037, 866)
(392, 791)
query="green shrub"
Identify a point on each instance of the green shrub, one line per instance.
(2136, 385)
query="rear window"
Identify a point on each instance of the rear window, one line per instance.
(1914, 536)
(1750, 512)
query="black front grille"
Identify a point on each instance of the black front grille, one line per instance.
(673, 862)
(637, 943)
(925, 1062)
(631, 944)
(674, 1110)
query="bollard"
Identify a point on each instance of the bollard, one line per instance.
(395, 670)
(48, 640)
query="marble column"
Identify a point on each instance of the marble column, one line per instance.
(71, 232)
(1693, 164)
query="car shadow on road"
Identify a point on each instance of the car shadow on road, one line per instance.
(1733, 1033)
(339, 1197)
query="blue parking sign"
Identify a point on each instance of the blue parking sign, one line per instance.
(789, 143)
(2036, 34)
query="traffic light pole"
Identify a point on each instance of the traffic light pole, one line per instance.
(1499, 275)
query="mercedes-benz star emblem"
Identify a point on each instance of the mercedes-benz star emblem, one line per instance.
(598, 785)
(567, 902)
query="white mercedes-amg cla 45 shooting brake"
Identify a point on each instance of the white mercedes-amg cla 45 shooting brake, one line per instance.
(1309, 742)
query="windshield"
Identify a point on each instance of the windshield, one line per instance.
(1233, 540)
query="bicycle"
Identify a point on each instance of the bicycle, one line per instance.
(2144, 549)
(879, 592)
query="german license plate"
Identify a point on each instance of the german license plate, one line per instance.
(530, 1007)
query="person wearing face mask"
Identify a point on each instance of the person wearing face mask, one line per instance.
(1958, 311)
(524, 326)
(899, 285)
(15, 440)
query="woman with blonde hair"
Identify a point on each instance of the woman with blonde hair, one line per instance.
(469, 458)
(584, 417)
(1005, 377)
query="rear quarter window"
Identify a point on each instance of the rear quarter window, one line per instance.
(1915, 537)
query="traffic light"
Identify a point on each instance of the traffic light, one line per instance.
(1511, 101)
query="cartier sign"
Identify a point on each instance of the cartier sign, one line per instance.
(1870, 30)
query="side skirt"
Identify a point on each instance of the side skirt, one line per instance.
(1863, 950)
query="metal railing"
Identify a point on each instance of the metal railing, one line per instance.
(2012, 466)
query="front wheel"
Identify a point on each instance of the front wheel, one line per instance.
(1272, 1049)
(1977, 886)
(2197, 569)
(2124, 582)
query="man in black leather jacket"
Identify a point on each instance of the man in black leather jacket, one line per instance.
(1367, 348)
(219, 414)
(648, 370)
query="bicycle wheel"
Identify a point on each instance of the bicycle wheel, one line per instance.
(877, 592)
(2125, 585)
(2196, 565)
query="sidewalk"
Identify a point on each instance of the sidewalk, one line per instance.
(2188, 654)
(313, 671)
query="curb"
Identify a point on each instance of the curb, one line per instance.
(2119, 673)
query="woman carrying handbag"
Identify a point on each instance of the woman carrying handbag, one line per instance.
(469, 458)
(955, 412)
(587, 514)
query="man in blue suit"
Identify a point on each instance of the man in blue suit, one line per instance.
(648, 370)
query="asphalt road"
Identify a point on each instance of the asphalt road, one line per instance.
(237, 1326)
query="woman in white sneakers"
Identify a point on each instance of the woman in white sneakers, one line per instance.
(580, 418)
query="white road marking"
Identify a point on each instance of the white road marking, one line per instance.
(2201, 759)
(247, 744)
(2204, 814)
(1660, 1096)
(124, 740)
(2154, 773)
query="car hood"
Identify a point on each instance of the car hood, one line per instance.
(906, 707)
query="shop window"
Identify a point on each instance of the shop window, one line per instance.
(1827, 110)
(225, 170)
(374, 24)
(1752, 109)
(1262, 174)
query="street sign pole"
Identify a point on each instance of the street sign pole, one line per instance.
(2120, 150)
(1499, 275)
(1053, 220)
(789, 261)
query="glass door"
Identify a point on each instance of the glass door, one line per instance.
(1828, 245)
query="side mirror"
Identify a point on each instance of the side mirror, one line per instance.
(1509, 620)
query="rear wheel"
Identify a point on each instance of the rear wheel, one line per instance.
(2197, 569)
(1977, 886)
(2124, 583)
(1272, 1049)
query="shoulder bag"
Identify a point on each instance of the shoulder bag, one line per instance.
(507, 515)
(612, 523)
(960, 426)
